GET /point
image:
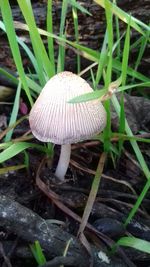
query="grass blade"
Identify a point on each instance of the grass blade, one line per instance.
(25, 47)
(136, 243)
(139, 201)
(107, 78)
(140, 159)
(76, 5)
(8, 21)
(9, 76)
(93, 193)
(38, 253)
(61, 50)
(91, 54)
(15, 149)
(38, 46)
(124, 77)
(102, 60)
(143, 45)
(50, 40)
(14, 112)
(133, 142)
(76, 26)
(88, 97)
(124, 16)
(117, 34)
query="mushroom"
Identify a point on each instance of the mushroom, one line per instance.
(53, 119)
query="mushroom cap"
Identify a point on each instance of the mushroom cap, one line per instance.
(54, 120)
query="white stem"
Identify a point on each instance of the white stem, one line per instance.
(63, 162)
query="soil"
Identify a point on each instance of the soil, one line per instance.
(24, 204)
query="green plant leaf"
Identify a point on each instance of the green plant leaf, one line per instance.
(61, 50)
(124, 16)
(9, 76)
(136, 243)
(14, 112)
(49, 23)
(9, 25)
(15, 149)
(78, 6)
(76, 29)
(88, 97)
(40, 52)
(38, 253)
(91, 54)
(25, 47)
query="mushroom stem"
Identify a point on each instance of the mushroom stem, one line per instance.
(63, 162)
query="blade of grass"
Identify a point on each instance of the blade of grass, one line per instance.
(98, 94)
(128, 138)
(139, 201)
(124, 16)
(126, 51)
(38, 46)
(61, 50)
(116, 64)
(107, 78)
(101, 94)
(135, 243)
(133, 142)
(14, 112)
(3, 133)
(38, 253)
(16, 148)
(143, 45)
(49, 23)
(34, 85)
(8, 21)
(76, 27)
(117, 34)
(91, 54)
(121, 123)
(93, 193)
(140, 159)
(131, 86)
(130, 71)
(93, 79)
(76, 5)
(102, 59)
(88, 97)
(9, 76)
(136, 43)
(25, 47)
(124, 77)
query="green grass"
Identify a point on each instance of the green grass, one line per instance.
(76, 26)
(14, 112)
(9, 25)
(50, 41)
(110, 68)
(132, 242)
(38, 253)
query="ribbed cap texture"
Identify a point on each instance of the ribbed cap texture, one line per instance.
(54, 120)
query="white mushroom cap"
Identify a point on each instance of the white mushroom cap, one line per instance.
(54, 120)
